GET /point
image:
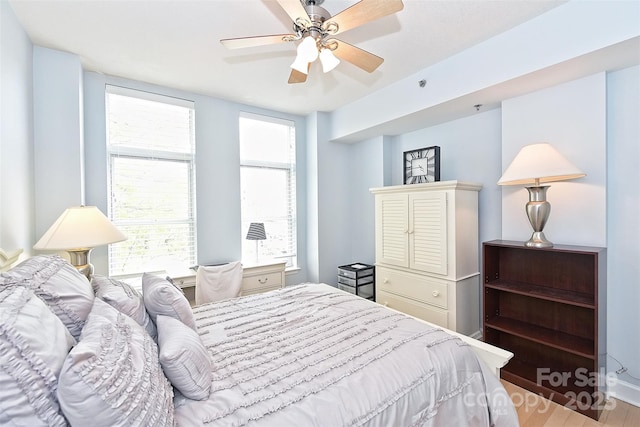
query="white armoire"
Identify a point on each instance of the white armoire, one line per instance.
(427, 262)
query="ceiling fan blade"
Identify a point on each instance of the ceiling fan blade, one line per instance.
(358, 57)
(360, 13)
(294, 9)
(297, 77)
(242, 42)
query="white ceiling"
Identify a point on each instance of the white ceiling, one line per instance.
(175, 43)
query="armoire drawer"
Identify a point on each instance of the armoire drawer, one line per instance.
(422, 288)
(414, 308)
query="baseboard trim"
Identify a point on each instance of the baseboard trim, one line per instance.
(625, 391)
(477, 335)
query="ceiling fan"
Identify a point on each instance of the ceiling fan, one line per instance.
(316, 28)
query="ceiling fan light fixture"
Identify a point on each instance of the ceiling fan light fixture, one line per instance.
(308, 49)
(300, 65)
(328, 60)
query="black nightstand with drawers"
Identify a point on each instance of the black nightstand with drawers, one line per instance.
(358, 279)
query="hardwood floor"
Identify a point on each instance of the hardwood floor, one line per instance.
(535, 411)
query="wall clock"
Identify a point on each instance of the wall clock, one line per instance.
(422, 165)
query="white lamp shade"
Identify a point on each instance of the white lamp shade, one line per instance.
(300, 65)
(328, 60)
(308, 49)
(80, 227)
(307, 52)
(539, 163)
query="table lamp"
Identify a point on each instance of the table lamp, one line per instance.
(533, 165)
(256, 232)
(78, 230)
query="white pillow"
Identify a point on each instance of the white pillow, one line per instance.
(67, 292)
(113, 377)
(183, 357)
(33, 347)
(162, 297)
(125, 299)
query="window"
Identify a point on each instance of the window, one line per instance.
(151, 152)
(268, 187)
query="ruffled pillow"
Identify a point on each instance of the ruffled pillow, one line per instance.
(33, 347)
(113, 377)
(183, 357)
(125, 299)
(67, 292)
(161, 297)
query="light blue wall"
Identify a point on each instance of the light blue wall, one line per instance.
(366, 171)
(58, 135)
(312, 200)
(623, 222)
(16, 135)
(333, 203)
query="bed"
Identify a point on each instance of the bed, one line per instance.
(305, 355)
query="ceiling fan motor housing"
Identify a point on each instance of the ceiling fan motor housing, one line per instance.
(318, 15)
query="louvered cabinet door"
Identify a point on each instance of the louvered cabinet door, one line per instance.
(428, 232)
(392, 228)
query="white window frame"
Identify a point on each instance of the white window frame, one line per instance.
(290, 168)
(154, 155)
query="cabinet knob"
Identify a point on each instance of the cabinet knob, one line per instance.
(435, 293)
(386, 304)
(385, 280)
(263, 280)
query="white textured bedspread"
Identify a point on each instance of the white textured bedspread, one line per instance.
(312, 355)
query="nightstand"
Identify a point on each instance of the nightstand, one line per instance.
(262, 277)
(186, 280)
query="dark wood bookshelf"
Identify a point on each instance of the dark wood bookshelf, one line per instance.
(559, 295)
(548, 307)
(549, 337)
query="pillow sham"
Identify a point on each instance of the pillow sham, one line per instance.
(125, 299)
(161, 297)
(33, 347)
(66, 291)
(184, 358)
(113, 377)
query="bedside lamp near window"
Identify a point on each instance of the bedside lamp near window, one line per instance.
(78, 230)
(536, 164)
(256, 232)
